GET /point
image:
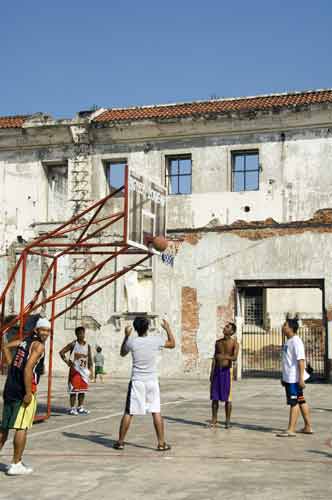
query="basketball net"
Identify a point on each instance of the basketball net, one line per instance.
(168, 256)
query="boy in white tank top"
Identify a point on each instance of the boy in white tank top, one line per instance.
(80, 370)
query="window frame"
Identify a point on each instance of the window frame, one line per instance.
(47, 166)
(244, 153)
(168, 175)
(107, 166)
(257, 294)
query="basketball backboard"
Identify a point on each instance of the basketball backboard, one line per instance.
(146, 210)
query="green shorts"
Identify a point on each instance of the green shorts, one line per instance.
(99, 370)
(17, 415)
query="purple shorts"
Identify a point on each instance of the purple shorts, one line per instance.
(221, 386)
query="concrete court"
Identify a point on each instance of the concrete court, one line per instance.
(73, 456)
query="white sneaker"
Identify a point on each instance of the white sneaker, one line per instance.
(18, 469)
(73, 411)
(83, 411)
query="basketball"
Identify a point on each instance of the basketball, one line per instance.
(159, 243)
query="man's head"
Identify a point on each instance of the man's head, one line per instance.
(99, 349)
(43, 329)
(80, 333)
(141, 325)
(229, 329)
(290, 327)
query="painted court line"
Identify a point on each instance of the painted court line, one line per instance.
(118, 414)
(92, 420)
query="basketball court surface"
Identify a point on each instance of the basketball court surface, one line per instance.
(73, 456)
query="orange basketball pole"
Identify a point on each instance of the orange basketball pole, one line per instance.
(53, 246)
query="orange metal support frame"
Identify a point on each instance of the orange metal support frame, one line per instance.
(83, 244)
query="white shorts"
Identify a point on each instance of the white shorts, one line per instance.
(143, 397)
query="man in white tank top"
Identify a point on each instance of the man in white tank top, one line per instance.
(80, 370)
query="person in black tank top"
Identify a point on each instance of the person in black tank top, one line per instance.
(20, 388)
(15, 388)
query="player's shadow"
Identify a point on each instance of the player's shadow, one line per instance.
(249, 427)
(3, 467)
(98, 438)
(323, 453)
(256, 428)
(185, 421)
(56, 411)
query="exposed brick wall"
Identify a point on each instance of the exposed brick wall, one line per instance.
(189, 327)
(329, 313)
(321, 222)
(225, 313)
(193, 238)
(312, 323)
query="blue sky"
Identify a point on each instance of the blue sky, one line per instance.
(65, 56)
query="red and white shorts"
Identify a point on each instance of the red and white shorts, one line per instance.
(76, 383)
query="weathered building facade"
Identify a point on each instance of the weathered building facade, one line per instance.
(249, 215)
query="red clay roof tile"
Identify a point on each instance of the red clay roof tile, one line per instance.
(12, 121)
(217, 106)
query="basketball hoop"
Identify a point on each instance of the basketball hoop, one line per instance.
(168, 256)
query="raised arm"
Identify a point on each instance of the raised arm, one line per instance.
(170, 342)
(123, 350)
(37, 350)
(6, 350)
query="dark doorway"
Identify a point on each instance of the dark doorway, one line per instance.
(263, 306)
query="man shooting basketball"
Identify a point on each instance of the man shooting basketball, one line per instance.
(143, 391)
(226, 352)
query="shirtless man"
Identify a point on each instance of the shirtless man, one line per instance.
(226, 351)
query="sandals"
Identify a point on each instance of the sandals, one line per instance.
(163, 447)
(286, 434)
(118, 446)
(160, 447)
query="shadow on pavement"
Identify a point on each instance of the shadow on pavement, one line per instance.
(56, 411)
(249, 427)
(3, 467)
(257, 428)
(103, 441)
(324, 453)
(186, 422)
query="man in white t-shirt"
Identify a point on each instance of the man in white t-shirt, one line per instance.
(143, 392)
(294, 376)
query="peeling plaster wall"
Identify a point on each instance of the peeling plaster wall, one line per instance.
(295, 151)
(210, 268)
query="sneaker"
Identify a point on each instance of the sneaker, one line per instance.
(18, 469)
(73, 411)
(83, 411)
